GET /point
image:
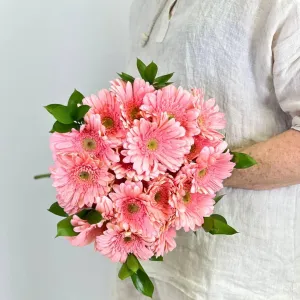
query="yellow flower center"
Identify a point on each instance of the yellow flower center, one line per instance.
(134, 113)
(186, 198)
(133, 208)
(202, 173)
(201, 121)
(157, 196)
(152, 144)
(108, 123)
(84, 175)
(89, 144)
(171, 115)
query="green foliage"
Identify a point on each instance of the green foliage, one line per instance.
(132, 263)
(126, 77)
(216, 224)
(124, 272)
(159, 258)
(242, 160)
(65, 228)
(151, 72)
(57, 210)
(142, 283)
(70, 116)
(218, 198)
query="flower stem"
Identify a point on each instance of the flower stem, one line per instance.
(42, 176)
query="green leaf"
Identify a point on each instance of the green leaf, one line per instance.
(159, 258)
(63, 128)
(60, 112)
(65, 228)
(218, 198)
(219, 217)
(216, 224)
(93, 217)
(242, 160)
(164, 78)
(57, 210)
(158, 86)
(126, 77)
(83, 214)
(132, 263)
(150, 72)
(141, 67)
(208, 224)
(142, 283)
(75, 99)
(124, 272)
(81, 111)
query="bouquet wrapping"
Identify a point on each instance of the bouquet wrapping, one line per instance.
(134, 164)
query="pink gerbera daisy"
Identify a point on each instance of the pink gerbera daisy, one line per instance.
(199, 143)
(79, 180)
(90, 139)
(210, 119)
(177, 103)
(105, 206)
(213, 165)
(87, 232)
(132, 207)
(153, 145)
(166, 241)
(108, 108)
(131, 97)
(191, 210)
(161, 190)
(116, 244)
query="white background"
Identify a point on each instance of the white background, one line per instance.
(48, 48)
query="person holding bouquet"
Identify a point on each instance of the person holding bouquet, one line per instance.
(246, 54)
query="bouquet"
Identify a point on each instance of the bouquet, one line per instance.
(136, 163)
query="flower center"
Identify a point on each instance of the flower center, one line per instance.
(202, 173)
(170, 115)
(89, 144)
(108, 122)
(193, 148)
(134, 113)
(201, 121)
(158, 196)
(84, 175)
(186, 198)
(152, 144)
(133, 208)
(127, 239)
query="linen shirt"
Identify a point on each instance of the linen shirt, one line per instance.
(246, 54)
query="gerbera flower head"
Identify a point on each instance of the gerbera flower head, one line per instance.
(105, 206)
(165, 241)
(130, 97)
(199, 142)
(161, 190)
(157, 145)
(131, 205)
(107, 106)
(192, 208)
(212, 166)
(87, 232)
(79, 180)
(91, 139)
(210, 119)
(116, 243)
(177, 103)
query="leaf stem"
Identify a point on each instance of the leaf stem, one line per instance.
(47, 175)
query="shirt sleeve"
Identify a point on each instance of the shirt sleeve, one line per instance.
(286, 67)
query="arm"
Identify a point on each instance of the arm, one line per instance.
(278, 164)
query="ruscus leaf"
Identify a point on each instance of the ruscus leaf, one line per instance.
(141, 67)
(218, 198)
(75, 99)
(242, 160)
(159, 258)
(81, 111)
(124, 272)
(93, 217)
(60, 112)
(143, 283)
(57, 210)
(163, 78)
(63, 128)
(132, 263)
(217, 224)
(126, 77)
(150, 72)
(65, 228)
